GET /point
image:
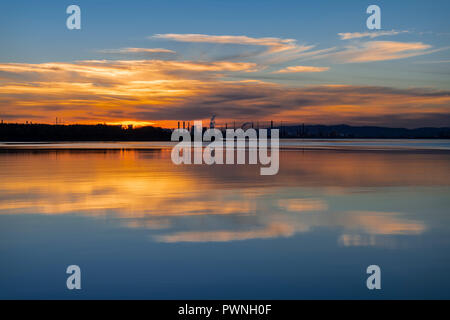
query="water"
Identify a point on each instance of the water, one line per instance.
(141, 227)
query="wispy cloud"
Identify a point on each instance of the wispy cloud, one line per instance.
(118, 70)
(274, 44)
(371, 51)
(384, 50)
(158, 90)
(152, 90)
(136, 50)
(301, 69)
(372, 34)
(274, 50)
(285, 50)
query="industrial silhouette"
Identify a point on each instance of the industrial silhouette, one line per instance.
(60, 132)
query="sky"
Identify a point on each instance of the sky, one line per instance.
(159, 62)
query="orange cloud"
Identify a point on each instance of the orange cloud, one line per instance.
(158, 91)
(136, 50)
(274, 44)
(163, 91)
(372, 34)
(378, 51)
(301, 69)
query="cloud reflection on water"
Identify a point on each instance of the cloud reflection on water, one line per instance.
(143, 189)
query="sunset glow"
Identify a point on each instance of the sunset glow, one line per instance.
(164, 78)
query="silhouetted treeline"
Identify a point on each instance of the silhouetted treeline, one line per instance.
(44, 132)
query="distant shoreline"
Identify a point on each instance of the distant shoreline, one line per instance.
(10, 132)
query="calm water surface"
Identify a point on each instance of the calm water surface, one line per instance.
(141, 227)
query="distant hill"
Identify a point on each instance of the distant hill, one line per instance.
(346, 131)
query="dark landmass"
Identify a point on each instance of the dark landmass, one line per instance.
(363, 132)
(45, 132)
